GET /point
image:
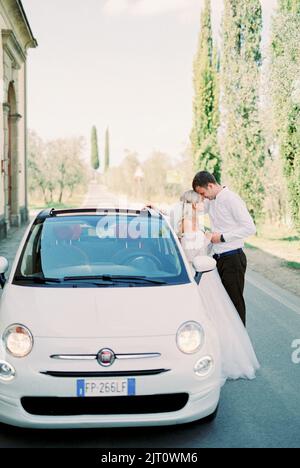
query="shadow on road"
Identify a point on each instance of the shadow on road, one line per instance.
(160, 436)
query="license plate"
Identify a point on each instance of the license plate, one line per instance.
(98, 388)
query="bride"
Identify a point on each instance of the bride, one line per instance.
(238, 357)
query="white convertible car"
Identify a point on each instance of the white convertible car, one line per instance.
(102, 325)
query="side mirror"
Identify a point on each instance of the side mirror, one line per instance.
(203, 264)
(3, 269)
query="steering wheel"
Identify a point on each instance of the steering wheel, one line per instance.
(127, 258)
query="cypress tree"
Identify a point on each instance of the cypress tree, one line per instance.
(107, 151)
(243, 148)
(94, 149)
(285, 91)
(206, 100)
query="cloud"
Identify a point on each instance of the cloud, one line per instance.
(148, 7)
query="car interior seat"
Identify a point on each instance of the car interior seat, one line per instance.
(61, 247)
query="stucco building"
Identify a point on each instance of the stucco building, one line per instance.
(15, 40)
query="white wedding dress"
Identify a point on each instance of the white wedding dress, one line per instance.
(238, 357)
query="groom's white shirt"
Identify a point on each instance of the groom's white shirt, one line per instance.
(229, 216)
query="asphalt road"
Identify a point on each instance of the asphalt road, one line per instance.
(261, 413)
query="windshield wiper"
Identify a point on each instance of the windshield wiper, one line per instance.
(115, 278)
(85, 278)
(143, 279)
(37, 279)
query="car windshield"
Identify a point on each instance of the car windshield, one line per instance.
(101, 249)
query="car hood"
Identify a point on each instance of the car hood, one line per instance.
(112, 312)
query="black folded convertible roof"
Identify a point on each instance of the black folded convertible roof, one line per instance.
(52, 212)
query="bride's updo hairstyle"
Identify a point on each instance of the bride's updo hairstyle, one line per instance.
(190, 197)
(187, 199)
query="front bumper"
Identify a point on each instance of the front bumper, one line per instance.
(203, 392)
(199, 406)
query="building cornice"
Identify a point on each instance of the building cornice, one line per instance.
(13, 48)
(19, 23)
(32, 41)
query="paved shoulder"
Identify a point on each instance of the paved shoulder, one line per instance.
(284, 297)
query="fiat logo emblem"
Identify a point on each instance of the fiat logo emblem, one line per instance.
(106, 357)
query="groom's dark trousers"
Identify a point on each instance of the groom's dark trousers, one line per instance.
(232, 269)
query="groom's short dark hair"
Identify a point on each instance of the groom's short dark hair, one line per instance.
(202, 179)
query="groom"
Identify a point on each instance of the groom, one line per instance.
(231, 223)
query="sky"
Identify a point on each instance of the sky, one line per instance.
(122, 64)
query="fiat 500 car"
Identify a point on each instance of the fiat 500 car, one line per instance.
(102, 325)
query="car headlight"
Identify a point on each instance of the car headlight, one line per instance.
(190, 337)
(18, 340)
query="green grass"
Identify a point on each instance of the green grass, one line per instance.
(290, 239)
(250, 246)
(50, 205)
(281, 242)
(74, 202)
(292, 265)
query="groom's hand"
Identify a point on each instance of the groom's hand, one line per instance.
(216, 238)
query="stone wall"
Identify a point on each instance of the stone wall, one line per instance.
(15, 38)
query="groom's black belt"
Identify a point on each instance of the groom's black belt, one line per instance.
(226, 254)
